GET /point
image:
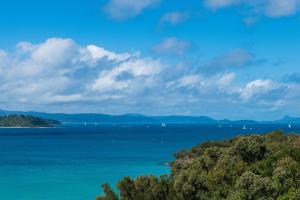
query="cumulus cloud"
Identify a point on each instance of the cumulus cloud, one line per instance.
(174, 18)
(257, 88)
(61, 75)
(99, 53)
(269, 8)
(171, 46)
(123, 75)
(60, 70)
(125, 9)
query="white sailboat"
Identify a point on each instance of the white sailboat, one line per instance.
(290, 126)
(163, 124)
(244, 127)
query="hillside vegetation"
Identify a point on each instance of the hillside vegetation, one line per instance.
(25, 121)
(252, 167)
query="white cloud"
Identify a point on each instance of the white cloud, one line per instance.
(258, 87)
(174, 18)
(269, 8)
(60, 75)
(61, 51)
(61, 98)
(106, 82)
(216, 83)
(189, 81)
(98, 53)
(61, 71)
(279, 8)
(171, 46)
(3, 60)
(225, 80)
(25, 47)
(121, 76)
(125, 9)
(2, 53)
(57, 70)
(216, 4)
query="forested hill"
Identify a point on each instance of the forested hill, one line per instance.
(26, 121)
(254, 167)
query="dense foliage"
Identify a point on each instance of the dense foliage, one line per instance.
(25, 121)
(253, 167)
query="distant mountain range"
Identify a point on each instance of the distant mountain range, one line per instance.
(141, 119)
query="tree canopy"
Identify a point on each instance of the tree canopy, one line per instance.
(25, 121)
(251, 167)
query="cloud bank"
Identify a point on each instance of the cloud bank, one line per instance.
(60, 75)
(253, 9)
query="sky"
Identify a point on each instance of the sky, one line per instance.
(234, 59)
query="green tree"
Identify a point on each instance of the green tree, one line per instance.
(254, 167)
(253, 187)
(109, 194)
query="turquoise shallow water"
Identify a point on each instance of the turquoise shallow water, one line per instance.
(70, 163)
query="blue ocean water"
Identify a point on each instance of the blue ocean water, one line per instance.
(70, 163)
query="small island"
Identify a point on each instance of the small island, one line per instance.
(22, 121)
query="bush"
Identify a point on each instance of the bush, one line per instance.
(254, 167)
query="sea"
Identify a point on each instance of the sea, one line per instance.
(71, 162)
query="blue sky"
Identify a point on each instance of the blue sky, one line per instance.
(222, 58)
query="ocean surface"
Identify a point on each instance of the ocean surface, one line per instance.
(70, 163)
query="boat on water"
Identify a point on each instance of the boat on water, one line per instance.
(290, 126)
(163, 124)
(244, 127)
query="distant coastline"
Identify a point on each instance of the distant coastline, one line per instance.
(100, 119)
